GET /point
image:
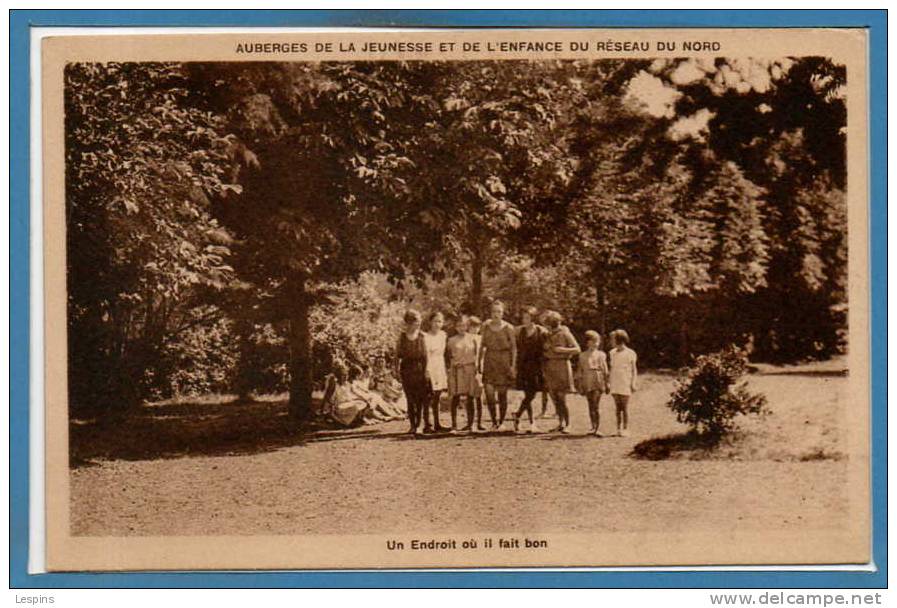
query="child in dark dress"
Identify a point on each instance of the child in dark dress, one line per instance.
(411, 361)
(530, 344)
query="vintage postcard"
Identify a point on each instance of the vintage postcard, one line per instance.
(456, 299)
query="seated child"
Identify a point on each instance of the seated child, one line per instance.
(341, 404)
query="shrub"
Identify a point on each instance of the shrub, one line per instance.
(358, 325)
(198, 360)
(709, 397)
(264, 354)
(211, 356)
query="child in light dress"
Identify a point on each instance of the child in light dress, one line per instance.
(592, 377)
(434, 345)
(462, 351)
(623, 375)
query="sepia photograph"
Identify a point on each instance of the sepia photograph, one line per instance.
(544, 311)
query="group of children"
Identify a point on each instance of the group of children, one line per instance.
(494, 356)
(351, 396)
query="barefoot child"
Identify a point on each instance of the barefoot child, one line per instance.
(623, 375)
(462, 379)
(592, 377)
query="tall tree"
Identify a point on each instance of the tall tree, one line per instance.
(142, 167)
(325, 183)
(585, 224)
(658, 224)
(489, 150)
(783, 123)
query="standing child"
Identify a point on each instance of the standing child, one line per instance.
(462, 377)
(560, 347)
(411, 361)
(498, 359)
(592, 377)
(530, 344)
(473, 327)
(434, 342)
(623, 375)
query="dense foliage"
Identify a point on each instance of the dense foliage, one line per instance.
(142, 165)
(201, 360)
(244, 226)
(356, 326)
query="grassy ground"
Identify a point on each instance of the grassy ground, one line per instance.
(218, 467)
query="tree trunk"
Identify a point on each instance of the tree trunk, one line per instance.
(476, 291)
(683, 343)
(244, 384)
(601, 301)
(300, 350)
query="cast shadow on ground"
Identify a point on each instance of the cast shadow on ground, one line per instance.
(174, 430)
(575, 436)
(231, 428)
(542, 436)
(668, 446)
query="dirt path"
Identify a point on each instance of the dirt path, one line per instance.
(789, 472)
